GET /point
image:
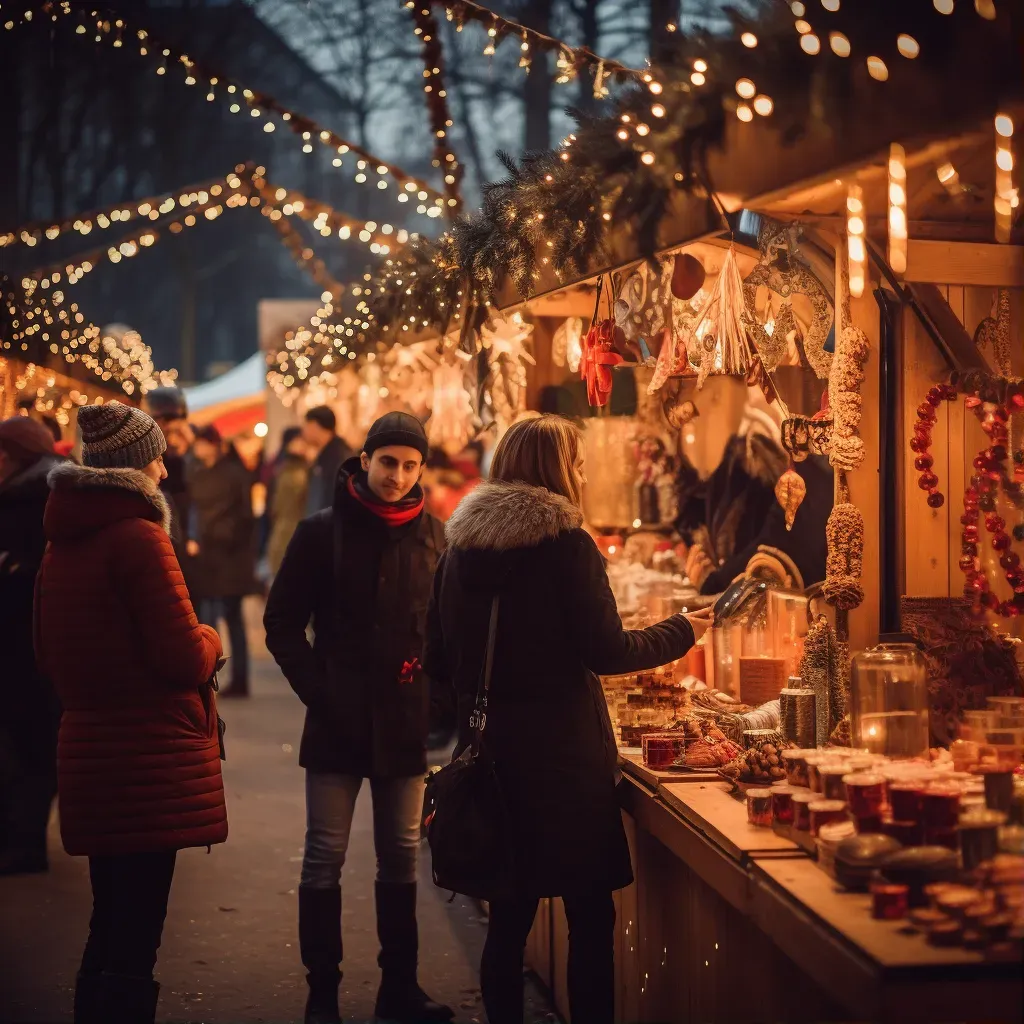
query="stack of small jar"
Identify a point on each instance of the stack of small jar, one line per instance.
(833, 794)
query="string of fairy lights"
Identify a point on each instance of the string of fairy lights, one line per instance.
(447, 276)
(263, 109)
(45, 318)
(245, 187)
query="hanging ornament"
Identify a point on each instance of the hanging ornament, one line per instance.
(565, 346)
(450, 426)
(505, 342)
(790, 491)
(995, 330)
(599, 356)
(723, 329)
(688, 276)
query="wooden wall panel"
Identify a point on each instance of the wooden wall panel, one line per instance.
(925, 530)
(865, 484)
(931, 542)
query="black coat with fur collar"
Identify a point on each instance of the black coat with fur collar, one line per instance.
(364, 587)
(547, 722)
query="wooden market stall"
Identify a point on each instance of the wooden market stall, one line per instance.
(730, 922)
(869, 210)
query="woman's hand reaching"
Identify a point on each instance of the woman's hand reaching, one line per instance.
(700, 621)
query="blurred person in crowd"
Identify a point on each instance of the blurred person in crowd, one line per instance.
(28, 725)
(360, 572)
(518, 558)
(168, 408)
(139, 773)
(329, 451)
(288, 489)
(447, 481)
(220, 542)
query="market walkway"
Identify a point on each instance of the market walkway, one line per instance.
(229, 952)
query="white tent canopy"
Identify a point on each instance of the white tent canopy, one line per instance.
(241, 384)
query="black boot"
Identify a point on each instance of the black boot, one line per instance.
(87, 994)
(126, 999)
(400, 998)
(320, 948)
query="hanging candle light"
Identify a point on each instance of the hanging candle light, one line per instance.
(1005, 195)
(898, 209)
(855, 240)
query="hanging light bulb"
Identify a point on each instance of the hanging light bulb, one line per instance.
(856, 245)
(898, 209)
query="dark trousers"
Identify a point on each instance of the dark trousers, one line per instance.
(129, 904)
(591, 917)
(211, 610)
(28, 772)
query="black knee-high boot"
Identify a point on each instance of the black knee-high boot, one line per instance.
(400, 997)
(321, 950)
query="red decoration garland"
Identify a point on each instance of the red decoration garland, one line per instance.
(993, 400)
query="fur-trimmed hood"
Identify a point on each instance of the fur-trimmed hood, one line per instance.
(83, 499)
(500, 516)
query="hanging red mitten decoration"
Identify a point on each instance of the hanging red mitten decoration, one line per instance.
(599, 356)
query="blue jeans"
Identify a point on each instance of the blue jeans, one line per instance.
(330, 805)
(210, 611)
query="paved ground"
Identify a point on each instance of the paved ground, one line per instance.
(229, 950)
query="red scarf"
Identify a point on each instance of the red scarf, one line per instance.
(394, 514)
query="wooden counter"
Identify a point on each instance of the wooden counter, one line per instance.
(730, 923)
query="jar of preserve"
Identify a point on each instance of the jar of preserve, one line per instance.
(825, 811)
(759, 807)
(865, 794)
(802, 801)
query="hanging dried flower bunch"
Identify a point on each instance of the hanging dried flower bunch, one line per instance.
(844, 380)
(845, 561)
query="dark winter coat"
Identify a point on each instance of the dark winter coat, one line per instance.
(22, 542)
(547, 721)
(735, 500)
(138, 757)
(30, 706)
(223, 524)
(323, 474)
(805, 543)
(365, 587)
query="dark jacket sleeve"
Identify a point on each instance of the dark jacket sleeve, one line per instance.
(805, 543)
(435, 657)
(288, 613)
(605, 647)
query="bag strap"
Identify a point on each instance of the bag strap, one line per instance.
(478, 720)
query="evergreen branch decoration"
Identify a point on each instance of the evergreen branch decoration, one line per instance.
(552, 212)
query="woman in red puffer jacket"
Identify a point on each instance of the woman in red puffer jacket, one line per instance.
(138, 754)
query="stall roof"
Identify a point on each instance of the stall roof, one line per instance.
(243, 383)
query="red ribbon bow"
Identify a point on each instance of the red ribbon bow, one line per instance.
(408, 673)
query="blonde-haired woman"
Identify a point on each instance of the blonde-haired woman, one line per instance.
(520, 537)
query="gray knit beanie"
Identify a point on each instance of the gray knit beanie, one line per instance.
(118, 436)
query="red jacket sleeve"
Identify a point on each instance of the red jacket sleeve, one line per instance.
(179, 651)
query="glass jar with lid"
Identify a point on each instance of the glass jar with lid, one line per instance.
(889, 700)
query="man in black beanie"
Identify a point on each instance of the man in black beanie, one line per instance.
(360, 573)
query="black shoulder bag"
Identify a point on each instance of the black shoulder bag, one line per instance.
(467, 821)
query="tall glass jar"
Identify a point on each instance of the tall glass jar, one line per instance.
(889, 701)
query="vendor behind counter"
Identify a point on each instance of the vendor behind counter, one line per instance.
(734, 512)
